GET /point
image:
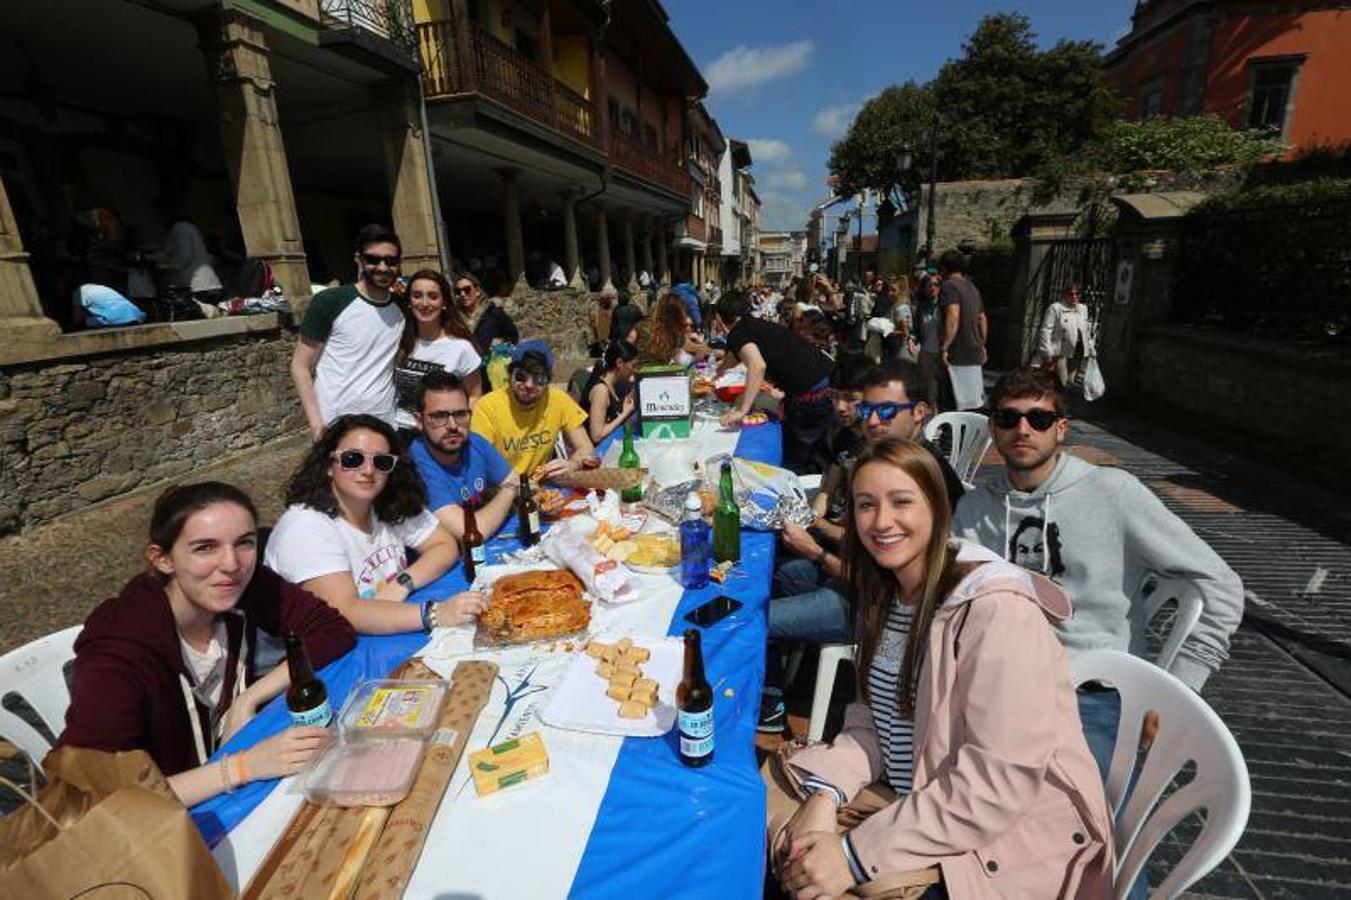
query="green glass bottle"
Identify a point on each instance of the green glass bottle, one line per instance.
(726, 519)
(629, 460)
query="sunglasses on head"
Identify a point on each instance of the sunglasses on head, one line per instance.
(442, 416)
(522, 377)
(1039, 419)
(374, 259)
(350, 460)
(885, 411)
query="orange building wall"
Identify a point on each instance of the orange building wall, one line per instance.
(1322, 111)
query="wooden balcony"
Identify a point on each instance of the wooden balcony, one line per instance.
(629, 153)
(696, 228)
(474, 62)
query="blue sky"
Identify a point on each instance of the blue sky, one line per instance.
(788, 75)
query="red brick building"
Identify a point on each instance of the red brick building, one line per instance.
(1282, 63)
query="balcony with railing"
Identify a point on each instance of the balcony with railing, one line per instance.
(365, 20)
(471, 61)
(633, 156)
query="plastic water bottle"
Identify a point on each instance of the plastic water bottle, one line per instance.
(695, 544)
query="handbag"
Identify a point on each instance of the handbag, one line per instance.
(116, 814)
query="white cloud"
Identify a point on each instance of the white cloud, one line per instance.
(790, 179)
(744, 67)
(834, 121)
(768, 151)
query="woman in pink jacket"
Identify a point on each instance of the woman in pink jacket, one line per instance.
(968, 721)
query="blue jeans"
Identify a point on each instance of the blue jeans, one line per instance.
(807, 606)
(1100, 715)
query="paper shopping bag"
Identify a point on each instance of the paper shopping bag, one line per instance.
(106, 827)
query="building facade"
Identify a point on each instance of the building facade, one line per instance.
(699, 237)
(1284, 66)
(560, 136)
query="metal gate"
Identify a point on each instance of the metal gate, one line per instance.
(1089, 263)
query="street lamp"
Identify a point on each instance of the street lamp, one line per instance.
(933, 192)
(858, 266)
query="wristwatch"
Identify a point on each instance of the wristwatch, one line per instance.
(406, 581)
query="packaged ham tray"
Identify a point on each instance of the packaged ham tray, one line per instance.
(391, 709)
(370, 772)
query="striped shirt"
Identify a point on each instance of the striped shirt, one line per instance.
(895, 734)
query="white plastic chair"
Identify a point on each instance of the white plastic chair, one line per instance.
(1189, 731)
(36, 672)
(831, 657)
(970, 439)
(1187, 596)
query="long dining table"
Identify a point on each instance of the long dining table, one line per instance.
(616, 816)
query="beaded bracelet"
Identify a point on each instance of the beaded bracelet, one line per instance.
(225, 774)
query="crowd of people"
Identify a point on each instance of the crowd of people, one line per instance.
(968, 751)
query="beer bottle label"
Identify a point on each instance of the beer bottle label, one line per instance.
(534, 523)
(321, 715)
(479, 554)
(696, 732)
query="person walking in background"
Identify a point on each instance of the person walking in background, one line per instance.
(929, 330)
(435, 339)
(1065, 337)
(344, 360)
(962, 348)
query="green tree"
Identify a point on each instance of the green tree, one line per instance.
(1192, 144)
(867, 157)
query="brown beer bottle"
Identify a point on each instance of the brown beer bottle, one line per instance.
(527, 516)
(694, 706)
(307, 697)
(471, 545)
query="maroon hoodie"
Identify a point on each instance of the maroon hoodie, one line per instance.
(134, 691)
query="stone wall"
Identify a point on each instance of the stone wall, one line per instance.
(77, 432)
(1283, 397)
(561, 317)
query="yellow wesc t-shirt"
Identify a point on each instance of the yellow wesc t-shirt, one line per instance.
(525, 436)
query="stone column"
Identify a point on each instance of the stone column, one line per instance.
(663, 241)
(572, 257)
(412, 211)
(603, 250)
(237, 58)
(21, 316)
(630, 262)
(647, 247)
(515, 238)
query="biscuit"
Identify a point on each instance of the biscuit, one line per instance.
(632, 709)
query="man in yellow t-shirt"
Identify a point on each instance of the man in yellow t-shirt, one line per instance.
(523, 419)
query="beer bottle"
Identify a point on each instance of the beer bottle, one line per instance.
(472, 545)
(628, 459)
(307, 697)
(694, 706)
(527, 516)
(726, 519)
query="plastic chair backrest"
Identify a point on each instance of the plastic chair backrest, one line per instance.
(36, 672)
(970, 439)
(1188, 731)
(1188, 599)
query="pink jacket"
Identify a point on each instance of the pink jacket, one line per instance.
(1007, 798)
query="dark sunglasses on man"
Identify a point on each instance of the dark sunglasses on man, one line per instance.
(1008, 418)
(885, 411)
(442, 416)
(521, 377)
(350, 460)
(374, 259)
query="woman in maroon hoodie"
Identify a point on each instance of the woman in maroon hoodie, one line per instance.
(167, 666)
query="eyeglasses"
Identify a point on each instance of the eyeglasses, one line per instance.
(374, 259)
(885, 411)
(522, 378)
(1008, 418)
(350, 460)
(442, 416)
(464, 290)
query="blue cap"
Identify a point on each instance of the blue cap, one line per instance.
(534, 345)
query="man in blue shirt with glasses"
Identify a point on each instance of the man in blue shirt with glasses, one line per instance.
(808, 602)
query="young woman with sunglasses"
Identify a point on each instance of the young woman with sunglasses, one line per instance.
(435, 338)
(170, 666)
(608, 394)
(354, 506)
(964, 755)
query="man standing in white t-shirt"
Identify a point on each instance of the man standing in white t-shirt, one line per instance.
(344, 360)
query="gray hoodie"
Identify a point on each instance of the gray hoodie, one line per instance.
(1098, 532)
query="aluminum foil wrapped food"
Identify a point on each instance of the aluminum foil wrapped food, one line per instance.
(765, 510)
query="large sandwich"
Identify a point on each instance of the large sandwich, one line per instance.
(534, 605)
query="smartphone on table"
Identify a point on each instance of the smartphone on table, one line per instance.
(714, 610)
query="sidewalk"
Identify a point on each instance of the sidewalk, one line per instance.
(1285, 692)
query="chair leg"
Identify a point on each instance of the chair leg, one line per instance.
(829, 663)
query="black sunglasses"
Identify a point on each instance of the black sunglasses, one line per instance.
(521, 377)
(1040, 419)
(374, 259)
(350, 460)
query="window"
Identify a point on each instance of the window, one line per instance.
(1151, 97)
(1271, 90)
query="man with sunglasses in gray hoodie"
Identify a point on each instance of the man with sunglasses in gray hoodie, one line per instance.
(1099, 533)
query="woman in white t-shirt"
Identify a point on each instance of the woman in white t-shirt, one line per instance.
(353, 507)
(435, 336)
